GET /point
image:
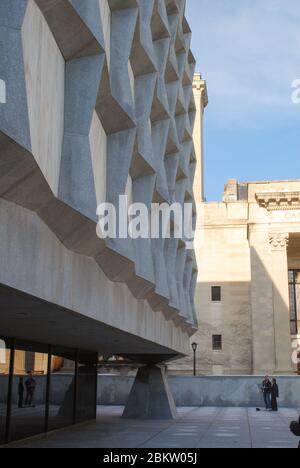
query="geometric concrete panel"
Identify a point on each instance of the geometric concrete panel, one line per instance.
(99, 93)
(73, 26)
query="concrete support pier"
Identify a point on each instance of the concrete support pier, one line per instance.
(150, 397)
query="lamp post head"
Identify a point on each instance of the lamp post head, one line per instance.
(194, 346)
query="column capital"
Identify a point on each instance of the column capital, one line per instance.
(279, 240)
(199, 86)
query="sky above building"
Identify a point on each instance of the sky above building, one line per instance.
(248, 51)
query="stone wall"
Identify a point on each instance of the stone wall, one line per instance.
(235, 391)
(245, 245)
(223, 257)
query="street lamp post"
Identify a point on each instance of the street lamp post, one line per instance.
(195, 346)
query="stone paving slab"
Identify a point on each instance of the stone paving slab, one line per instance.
(195, 428)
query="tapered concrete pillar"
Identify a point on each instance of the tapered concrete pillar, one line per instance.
(150, 397)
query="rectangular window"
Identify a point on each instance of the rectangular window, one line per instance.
(44, 388)
(216, 295)
(29, 390)
(217, 342)
(294, 293)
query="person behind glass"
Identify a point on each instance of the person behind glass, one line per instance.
(30, 389)
(274, 395)
(267, 389)
(21, 392)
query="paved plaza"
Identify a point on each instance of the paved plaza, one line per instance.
(195, 428)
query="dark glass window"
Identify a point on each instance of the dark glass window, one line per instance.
(29, 390)
(4, 378)
(294, 293)
(216, 295)
(44, 388)
(62, 388)
(217, 342)
(87, 386)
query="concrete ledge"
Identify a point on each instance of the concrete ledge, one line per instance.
(231, 391)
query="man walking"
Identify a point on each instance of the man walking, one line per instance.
(267, 390)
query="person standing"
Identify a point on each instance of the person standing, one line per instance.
(274, 395)
(267, 389)
(30, 390)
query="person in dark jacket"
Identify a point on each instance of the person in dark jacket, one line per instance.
(21, 392)
(274, 395)
(267, 389)
(295, 429)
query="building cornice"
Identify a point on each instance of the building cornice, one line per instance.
(200, 86)
(278, 201)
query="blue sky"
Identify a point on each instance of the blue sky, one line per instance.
(249, 53)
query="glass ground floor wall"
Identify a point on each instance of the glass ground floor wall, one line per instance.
(44, 387)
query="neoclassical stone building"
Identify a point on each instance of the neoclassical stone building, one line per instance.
(248, 291)
(248, 252)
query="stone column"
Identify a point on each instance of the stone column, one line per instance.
(201, 101)
(263, 342)
(282, 330)
(150, 397)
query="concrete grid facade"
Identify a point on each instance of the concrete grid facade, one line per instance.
(99, 103)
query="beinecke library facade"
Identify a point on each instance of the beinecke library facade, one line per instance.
(99, 103)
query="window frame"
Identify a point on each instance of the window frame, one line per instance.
(217, 342)
(218, 291)
(293, 306)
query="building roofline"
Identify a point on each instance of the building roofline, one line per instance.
(268, 181)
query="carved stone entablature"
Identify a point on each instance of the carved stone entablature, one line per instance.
(200, 85)
(279, 240)
(277, 201)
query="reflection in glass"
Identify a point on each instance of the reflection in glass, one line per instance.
(70, 389)
(62, 388)
(87, 386)
(29, 391)
(4, 377)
